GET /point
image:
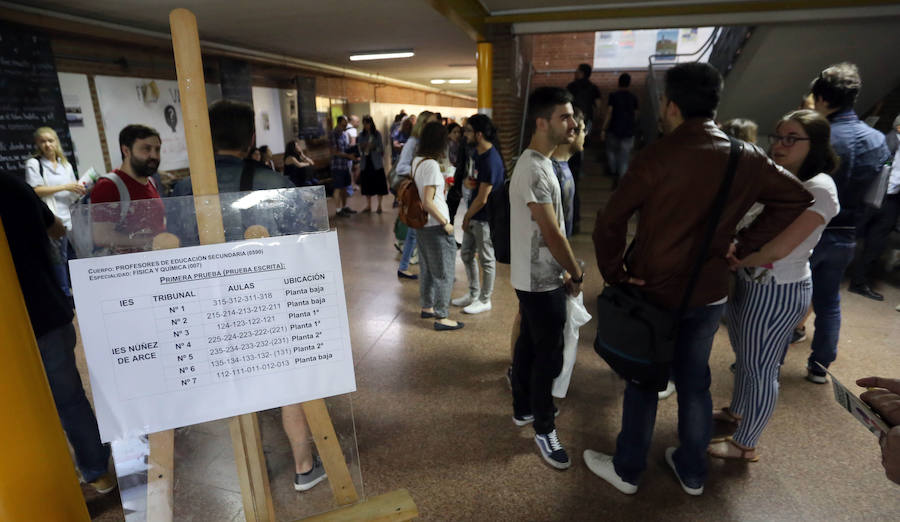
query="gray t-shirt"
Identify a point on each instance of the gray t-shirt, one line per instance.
(532, 266)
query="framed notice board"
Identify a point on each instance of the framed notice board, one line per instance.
(29, 96)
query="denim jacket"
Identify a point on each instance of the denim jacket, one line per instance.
(377, 153)
(863, 152)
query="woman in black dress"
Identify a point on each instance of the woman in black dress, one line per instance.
(371, 148)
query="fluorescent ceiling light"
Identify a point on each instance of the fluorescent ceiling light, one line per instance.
(382, 55)
(438, 82)
(460, 81)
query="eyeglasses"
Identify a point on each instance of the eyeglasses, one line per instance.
(787, 141)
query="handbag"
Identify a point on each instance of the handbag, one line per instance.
(636, 337)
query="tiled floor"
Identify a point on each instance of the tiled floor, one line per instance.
(432, 414)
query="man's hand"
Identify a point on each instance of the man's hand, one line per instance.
(465, 223)
(572, 287)
(886, 400)
(890, 454)
(57, 229)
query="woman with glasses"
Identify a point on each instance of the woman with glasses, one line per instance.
(774, 285)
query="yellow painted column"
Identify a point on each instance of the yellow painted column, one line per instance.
(485, 61)
(37, 477)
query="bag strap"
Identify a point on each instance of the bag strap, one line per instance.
(718, 207)
(124, 195)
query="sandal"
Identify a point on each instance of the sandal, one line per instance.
(725, 415)
(745, 451)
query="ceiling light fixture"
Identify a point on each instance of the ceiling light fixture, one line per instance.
(438, 82)
(382, 55)
(460, 81)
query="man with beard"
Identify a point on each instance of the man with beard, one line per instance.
(130, 227)
(542, 269)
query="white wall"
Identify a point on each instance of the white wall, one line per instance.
(267, 103)
(85, 137)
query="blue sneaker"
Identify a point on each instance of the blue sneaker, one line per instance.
(525, 420)
(552, 451)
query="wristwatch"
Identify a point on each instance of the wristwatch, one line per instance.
(578, 280)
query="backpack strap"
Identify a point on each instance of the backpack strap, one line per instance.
(124, 195)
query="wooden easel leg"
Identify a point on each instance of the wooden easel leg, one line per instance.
(251, 468)
(330, 452)
(161, 477)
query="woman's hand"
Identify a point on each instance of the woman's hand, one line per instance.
(448, 228)
(77, 188)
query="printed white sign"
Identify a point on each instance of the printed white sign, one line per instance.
(179, 337)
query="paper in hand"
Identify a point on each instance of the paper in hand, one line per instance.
(859, 409)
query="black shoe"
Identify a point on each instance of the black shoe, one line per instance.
(426, 315)
(441, 327)
(401, 275)
(799, 335)
(865, 291)
(349, 210)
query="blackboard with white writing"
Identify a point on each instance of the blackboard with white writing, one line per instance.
(234, 76)
(30, 96)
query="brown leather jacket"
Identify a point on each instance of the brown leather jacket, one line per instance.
(672, 185)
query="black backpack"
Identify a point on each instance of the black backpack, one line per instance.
(498, 216)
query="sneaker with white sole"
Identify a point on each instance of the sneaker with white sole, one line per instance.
(308, 480)
(552, 451)
(465, 300)
(687, 489)
(602, 465)
(818, 377)
(477, 307)
(670, 389)
(105, 483)
(525, 420)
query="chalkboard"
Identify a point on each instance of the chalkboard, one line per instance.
(306, 107)
(234, 76)
(29, 96)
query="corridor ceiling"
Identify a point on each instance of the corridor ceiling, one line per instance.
(442, 32)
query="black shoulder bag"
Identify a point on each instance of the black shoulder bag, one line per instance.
(637, 338)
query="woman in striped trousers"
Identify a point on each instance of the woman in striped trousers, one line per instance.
(774, 285)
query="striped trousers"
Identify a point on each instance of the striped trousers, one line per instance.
(761, 317)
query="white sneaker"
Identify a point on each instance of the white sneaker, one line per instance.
(477, 307)
(602, 465)
(689, 490)
(465, 300)
(670, 389)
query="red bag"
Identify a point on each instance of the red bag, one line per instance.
(412, 212)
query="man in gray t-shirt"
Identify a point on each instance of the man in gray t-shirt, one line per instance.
(541, 264)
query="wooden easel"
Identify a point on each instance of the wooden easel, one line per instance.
(245, 435)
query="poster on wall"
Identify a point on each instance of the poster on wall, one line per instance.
(145, 101)
(622, 50)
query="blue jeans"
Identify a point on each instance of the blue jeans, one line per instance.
(690, 370)
(409, 246)
(618, 154)
(57, 349)
(59, 268)
(829, 261)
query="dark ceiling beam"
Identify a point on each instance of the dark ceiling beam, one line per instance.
(698, 8)
(467, 15)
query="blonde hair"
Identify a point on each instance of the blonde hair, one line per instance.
(60, 157)
(421, 121)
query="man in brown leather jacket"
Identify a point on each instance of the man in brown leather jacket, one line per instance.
(672, 184)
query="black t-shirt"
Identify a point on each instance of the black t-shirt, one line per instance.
(585, 94)
(623, 105)
(25, 219)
